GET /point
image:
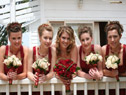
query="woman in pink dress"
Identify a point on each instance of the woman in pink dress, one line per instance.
(114, 30)
(44, 50)
(85, 36)
(15, 48)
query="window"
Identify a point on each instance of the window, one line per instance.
(97, 29)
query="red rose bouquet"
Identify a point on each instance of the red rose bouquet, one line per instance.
(40, 66)
(65, 68)
(12, 62)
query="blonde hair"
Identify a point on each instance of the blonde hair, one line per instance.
(43, 27)
(70, 32)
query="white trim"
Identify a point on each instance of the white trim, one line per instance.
(54, 84)
(12, 11)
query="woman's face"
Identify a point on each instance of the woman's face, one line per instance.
(64, 40)
(113, 38)
(86, 40)
(16, 39)
(46, 38)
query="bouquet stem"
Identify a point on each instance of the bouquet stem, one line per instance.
(36, 82)
(67, 87)
(117, 78)
(10, 81)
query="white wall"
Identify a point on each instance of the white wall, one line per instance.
(94, 10)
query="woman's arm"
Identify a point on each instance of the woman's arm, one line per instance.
(100, 70)
(23, 74)
(53, 61)
(30, 74)
(2, 54)
(74, 54)
(80, 72)
(106, 72)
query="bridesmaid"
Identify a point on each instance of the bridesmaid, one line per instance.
(85, 36)
(15, 48)
(65, 43)
(114, 33)
(44, 50)
(65, 46)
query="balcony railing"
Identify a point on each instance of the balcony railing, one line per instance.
(54, 84)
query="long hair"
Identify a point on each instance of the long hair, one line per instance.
(70, 32)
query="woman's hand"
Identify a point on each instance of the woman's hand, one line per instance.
(115, 72)
(65, 81)
(110, 73)
(95, 73)
(12, 75)
(42, 78)
(87, 76)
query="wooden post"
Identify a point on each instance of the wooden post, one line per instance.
(12, 11)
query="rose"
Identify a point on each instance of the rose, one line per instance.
(112, 62)
(93, 58)
(41, 63)
(12, 62)
(99, 57)
(40, 66)
(17, 62)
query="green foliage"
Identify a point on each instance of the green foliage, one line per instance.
(25, 1)
(3, 36)
(77, 68)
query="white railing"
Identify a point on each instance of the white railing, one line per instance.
(54, 84)
(21, 12)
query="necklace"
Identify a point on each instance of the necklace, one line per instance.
(42, 55)
(113, 52)
(13, 52)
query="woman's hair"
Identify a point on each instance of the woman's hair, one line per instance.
(13, 27)
(44, 27)
(114, 25)
(84, 29)
(70, 32)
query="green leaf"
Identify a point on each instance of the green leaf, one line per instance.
(70, 67)
(54, 67)
(77, 68)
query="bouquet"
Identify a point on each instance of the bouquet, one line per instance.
(112, 63)
(40, 66)
(93, 59)
(12, 62)
(65, 68)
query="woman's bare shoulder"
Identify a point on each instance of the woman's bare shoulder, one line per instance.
(2, 49)
(104, 47)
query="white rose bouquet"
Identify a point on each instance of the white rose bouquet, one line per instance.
(12, 62)
(93, 59)
(40, 66)
(112, 62)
